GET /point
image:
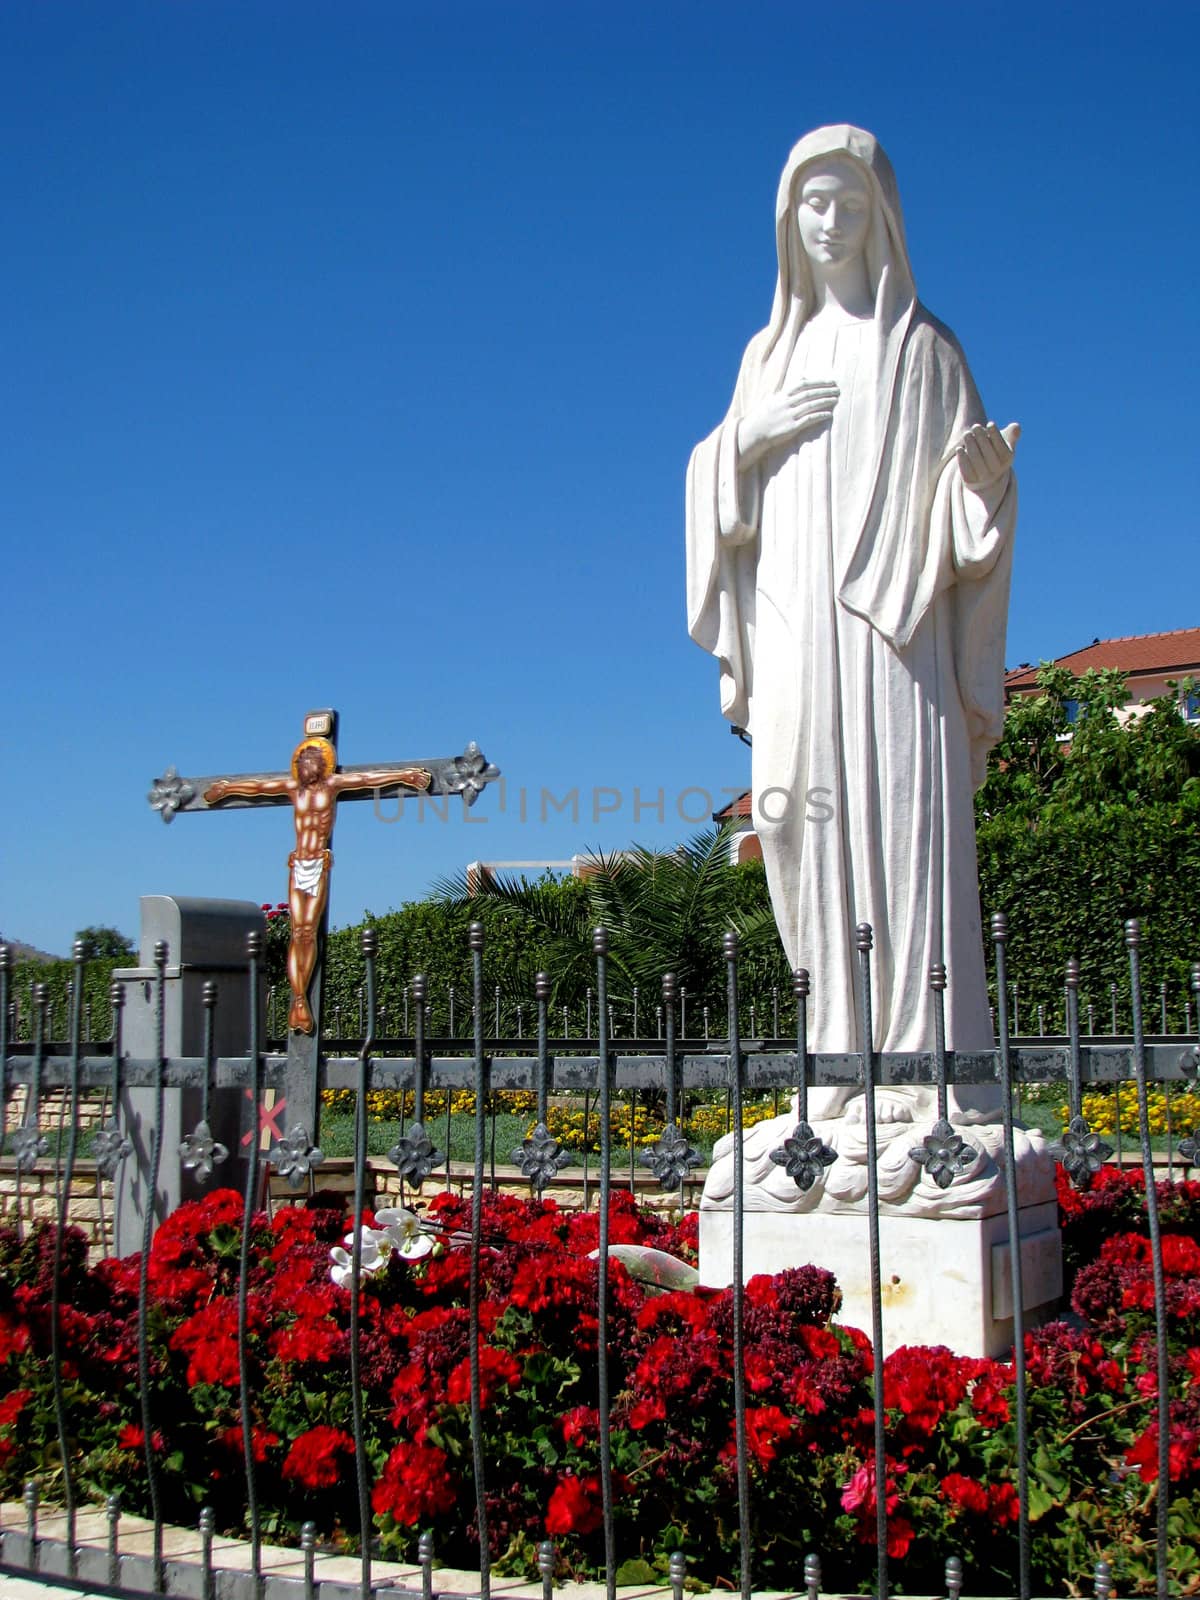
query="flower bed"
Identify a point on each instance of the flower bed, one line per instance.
(950, 1421)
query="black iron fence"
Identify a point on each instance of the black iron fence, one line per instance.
(665, 1061)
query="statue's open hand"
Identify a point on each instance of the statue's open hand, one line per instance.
(782, 416)
(986, 453)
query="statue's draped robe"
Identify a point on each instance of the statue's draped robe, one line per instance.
(854, 591)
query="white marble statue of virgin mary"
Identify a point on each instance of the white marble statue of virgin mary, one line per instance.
(849, 540)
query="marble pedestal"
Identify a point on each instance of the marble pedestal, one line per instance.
(944, 1281)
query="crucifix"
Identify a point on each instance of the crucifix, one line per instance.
(313, 787)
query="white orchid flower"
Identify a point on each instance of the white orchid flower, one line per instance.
(404, 1233)
(372, 1260)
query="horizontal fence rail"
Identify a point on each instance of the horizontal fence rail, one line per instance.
(670, 1063)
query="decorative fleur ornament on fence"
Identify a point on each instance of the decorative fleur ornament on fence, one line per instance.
(414, 1156)
(199, 1152)
(944, 1154)
(27, 1145)
(473, 772)
(671, 1159)
(294, 1158)
(803, 1156)
(540, 1157)
(1189, 1148)
(169, 793)
(1084, 1152)
(109, 1149)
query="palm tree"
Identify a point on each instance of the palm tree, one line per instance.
(665, 911)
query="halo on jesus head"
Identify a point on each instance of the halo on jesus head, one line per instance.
(324, 749)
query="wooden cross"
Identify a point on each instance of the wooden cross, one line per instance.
(312, 788)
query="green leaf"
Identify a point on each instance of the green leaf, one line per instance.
(633, 1572)
(1040, 1501)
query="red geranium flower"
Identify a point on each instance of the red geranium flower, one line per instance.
(968, 1494)
(317, 1457)
(14, 1336)
(1004, 1504)
(209, 1339)
(414, 1484)
(1183, 1451)
(580, 1425)
(644, 1412)
(12, 1405)
(765, 1427)
(575, 1506)
(497, 1369)
(316, 1339)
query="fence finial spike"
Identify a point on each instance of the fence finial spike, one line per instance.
(954, 1578)
(812, 1574)
(677, 1573)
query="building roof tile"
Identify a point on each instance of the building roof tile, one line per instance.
(1138, 654)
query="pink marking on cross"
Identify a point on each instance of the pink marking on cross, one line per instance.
(269, 1114)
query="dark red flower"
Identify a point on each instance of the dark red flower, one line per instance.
(261, 1440)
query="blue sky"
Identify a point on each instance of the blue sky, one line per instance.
(353, 353)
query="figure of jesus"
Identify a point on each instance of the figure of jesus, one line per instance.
(849, 530)
(313, 787)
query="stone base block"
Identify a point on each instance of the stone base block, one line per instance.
(943, 1281)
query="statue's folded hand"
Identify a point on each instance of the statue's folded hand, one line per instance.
(985, 453)
(782, 416)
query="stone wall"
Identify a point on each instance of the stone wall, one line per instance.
(56, 1105)
(33, 1197)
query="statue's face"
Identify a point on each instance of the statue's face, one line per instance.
(310, 768)
(833, 212)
